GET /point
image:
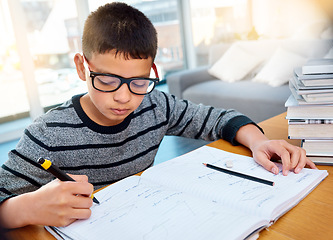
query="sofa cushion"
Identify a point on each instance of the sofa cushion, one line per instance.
(279, 69)
(235, 64)
(262, 48)
(259, 101)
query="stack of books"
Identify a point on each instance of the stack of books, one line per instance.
(310, 109)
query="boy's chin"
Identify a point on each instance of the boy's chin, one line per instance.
(115, 119)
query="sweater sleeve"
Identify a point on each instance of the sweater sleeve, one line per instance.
(204, 122)
(21, 173)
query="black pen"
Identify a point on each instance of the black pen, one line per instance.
(238, 174)
(51, 168)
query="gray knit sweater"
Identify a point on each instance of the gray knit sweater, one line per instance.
(66, 136)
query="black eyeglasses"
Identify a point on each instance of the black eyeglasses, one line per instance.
(110, 83)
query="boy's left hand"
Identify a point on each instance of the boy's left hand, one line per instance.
(264, 150)
(292, 157)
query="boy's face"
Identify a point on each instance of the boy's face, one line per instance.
(111, 108)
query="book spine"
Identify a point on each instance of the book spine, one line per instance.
(317, 69)
(310, 121)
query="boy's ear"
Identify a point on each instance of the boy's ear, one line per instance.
(78, 60)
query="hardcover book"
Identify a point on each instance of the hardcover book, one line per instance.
(296, 110)
(321, 160)
(314, 80)
(318, 147)
(310, 131)
(318, 66)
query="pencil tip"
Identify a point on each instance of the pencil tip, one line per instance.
(94, 199)
(204, 164)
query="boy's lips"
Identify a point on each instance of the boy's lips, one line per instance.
(119, 111)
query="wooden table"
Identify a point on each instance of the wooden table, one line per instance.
(312, 218)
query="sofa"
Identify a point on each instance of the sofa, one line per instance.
(249, 76)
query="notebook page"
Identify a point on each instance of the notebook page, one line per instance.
(187, 174)
(136, 209)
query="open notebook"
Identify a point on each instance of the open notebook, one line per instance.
(182, 199)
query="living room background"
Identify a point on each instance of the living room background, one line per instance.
(36, 67)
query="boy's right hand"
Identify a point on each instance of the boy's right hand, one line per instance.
(56, 204)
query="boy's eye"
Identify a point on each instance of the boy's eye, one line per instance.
(106, 80)
(139, 83)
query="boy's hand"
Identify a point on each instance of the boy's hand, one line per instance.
(265, 150)
(292, 157)
(56, 204)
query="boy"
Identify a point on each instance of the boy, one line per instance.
(115, 129)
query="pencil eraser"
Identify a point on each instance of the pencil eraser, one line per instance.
(229, 164)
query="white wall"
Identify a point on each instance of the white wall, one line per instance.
(282, 18)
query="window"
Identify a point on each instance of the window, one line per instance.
(53, 38)
(37, 70)
(13, 97)
(214, 22)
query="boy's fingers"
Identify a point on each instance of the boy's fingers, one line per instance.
(311, 164)
(302, 160)
(81, 213)
(74, 215)
(263, 160)
(79, 178)
(79, 188)
(285, 158)
(81, 202)
(298, 158)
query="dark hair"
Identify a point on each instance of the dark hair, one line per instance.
(120, 27)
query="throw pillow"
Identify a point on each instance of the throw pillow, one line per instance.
(279, 68)
(235, 64)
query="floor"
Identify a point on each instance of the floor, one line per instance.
(171, 146)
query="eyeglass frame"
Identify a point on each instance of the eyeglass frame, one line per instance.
(123, 80)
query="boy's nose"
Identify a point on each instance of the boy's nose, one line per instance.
(123, 94)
